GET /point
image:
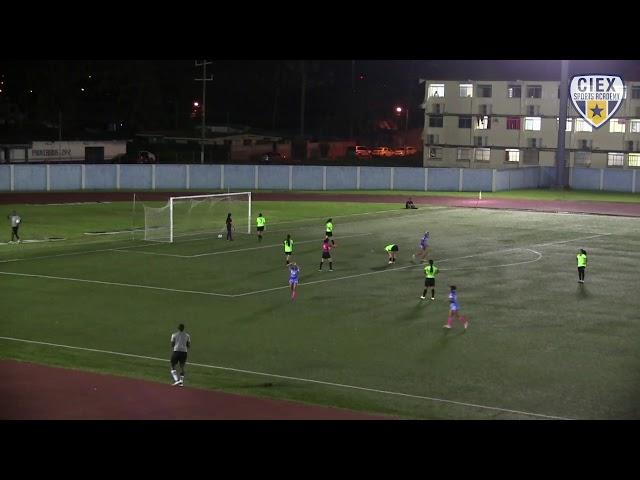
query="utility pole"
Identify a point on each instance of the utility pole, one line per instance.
(204, 80)
(562, 124)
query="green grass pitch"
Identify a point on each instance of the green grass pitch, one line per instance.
(539, 344)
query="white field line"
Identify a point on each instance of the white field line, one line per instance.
(347, 277)
(221, 252)
(298, 379)
(309, 283)
(131, 285)
(151, 244)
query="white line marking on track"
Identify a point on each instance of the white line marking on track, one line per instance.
(298, 379)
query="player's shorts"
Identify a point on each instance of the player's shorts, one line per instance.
(179, 357)
(422, 247)
(329, 234)
(293, 281)
(326, 255)
(453, 307)
(581, 269)
(393, 249)
(429, 282)
(260, 229)
(288, 253)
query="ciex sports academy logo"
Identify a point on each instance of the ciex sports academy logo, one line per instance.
(596, 97)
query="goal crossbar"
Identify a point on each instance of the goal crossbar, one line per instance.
(155, 226)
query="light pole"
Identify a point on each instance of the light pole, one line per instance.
(562, 125)
(204, 80)
(406, 121)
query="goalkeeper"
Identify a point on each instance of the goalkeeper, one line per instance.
(260, 223)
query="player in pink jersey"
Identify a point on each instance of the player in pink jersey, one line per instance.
(326, 254)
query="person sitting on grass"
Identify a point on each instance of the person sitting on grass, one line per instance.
(409, 204)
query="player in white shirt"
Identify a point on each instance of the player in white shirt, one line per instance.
(180, 343)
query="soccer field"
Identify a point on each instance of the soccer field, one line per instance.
(539, 344)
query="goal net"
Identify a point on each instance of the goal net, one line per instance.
(198, 215)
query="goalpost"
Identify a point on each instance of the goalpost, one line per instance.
(197, 215)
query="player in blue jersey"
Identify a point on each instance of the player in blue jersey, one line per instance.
(423, 247)
(454, 309)
(294, 271)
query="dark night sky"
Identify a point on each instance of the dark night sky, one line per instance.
(158, 94)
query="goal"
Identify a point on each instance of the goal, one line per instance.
(197, 215)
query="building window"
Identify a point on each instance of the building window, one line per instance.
(512, 155)
(435, 153)
(482, 154)
(582, 126)
(634, 126)
(634, 159)
(483, 122)
(583, 159)
(480, 141)
(436, 90)
(246, 141)
(514, 91)
(513, 123)
(532, 123)
(436, 108)
(533, 110)
(585, 144)
(635, 92)
(569, 123)
(534, 91)
(435, 121)
(484, 91)
(466, 90)
(464, 154)
(534, 142)
(484, 109)
(615, 159)
(464, 122)
(433, 139)
(617, 125)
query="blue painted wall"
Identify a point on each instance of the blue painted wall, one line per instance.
(273, 177)
(135, 177)
(476, 180)
(307, 177)
(407, 178)
(585, 179)
(30, 177)
(100, 177)
(239, 176)
(444, 179)
(66, 177)
(341, 178)
(171, 176)
(376, 178)
(204, 177)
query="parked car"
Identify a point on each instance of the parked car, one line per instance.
(405, 151)
(270, 157)
(358, 151)
(382, 152)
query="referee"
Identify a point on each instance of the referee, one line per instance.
(180, 343)
(15, 225)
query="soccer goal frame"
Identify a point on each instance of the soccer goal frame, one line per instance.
(172, 201)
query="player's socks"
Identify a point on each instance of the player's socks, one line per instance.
(424, 293)
(320, 268)
(174, 375)
(449, 321)
(433, 293)
(330, 265)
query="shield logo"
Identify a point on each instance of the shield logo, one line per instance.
(596, 97)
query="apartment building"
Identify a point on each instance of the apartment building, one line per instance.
(502, 124)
